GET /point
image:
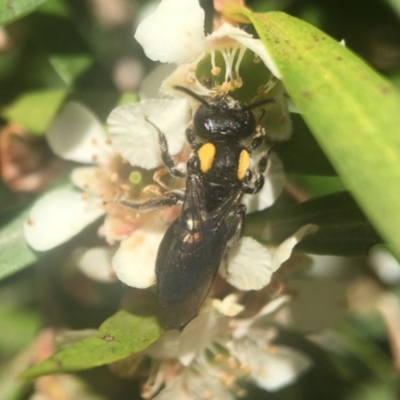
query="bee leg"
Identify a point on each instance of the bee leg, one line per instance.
(191, 138)
(257, 140)
(165, 156)
(262, 169)
(237, 229)
(169, 199)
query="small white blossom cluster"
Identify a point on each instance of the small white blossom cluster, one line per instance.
(116, 165)
(216, 354)
(121, 165)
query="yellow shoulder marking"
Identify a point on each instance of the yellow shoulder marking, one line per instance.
(243, 164)
(206, 155)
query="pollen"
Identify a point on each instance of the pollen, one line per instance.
(237, 83)
(245, 369)
(206, 155)
(243, 164)
(228, 380)
(216, 71)
(226, 87)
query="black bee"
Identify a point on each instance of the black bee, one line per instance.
(212, 218)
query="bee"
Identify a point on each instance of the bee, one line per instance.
(212, 219)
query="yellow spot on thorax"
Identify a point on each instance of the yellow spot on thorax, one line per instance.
(243, 164)
(206, 155)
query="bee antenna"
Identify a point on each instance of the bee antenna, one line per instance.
(192, 94)
(258, 103)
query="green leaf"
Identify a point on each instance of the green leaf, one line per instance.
(128, 97)
(119, 336)
(301, 154)
(316, 186)
(343, 229)
(63, 46)
(36, 109)
(352, 111)
(395, 4)
(15, 254)
(356, 342)
(11, 10)
(18, 328)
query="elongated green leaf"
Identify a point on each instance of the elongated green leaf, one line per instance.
(119, 336)
(352, 111)
(301, 154)
(36, 109)
(11, 10)
(395, 4)
(63, 46)
(316, 186)
(15, 254)
(18, 328)
(343, 229)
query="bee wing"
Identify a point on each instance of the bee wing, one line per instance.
(190, 254)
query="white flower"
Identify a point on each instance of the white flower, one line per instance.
(215, 354)
(125, 135)
(60, 214)
(221, 56)
(174, 33)
(168, 38)
(384, 264)
(137, 141)
(77, 135)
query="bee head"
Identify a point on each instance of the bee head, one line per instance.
(223, 116)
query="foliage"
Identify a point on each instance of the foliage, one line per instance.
(342, 165)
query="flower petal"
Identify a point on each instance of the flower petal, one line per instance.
(137, 140)
(272, 188)
(116, 227)
(58, 216)
(246, 40)
(271, 367)
(284, 251)
(151, 83)
(134, 262)
(174, 390)
(384, 264)
(249, 265)
(77, 135)
(199, 333)
(174, 33)
(228, 306)
(207, 381)
(87, 179)
(96, 264)
(276, 119)
(165, 348)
